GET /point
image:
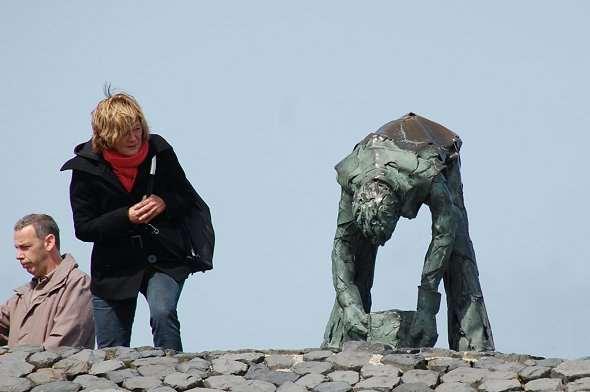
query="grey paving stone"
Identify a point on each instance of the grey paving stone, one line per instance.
(255, 386)
(317, 355)
(262, 372)
(279, 361)
(572, 370)
(372, 370)
(118, 376)
(311, 380)
(454, 387)
(163, 388)
(581, 384)
(501, 375)
(80, 362)
(181, 381)
(348, 376)
(350, 360)
(225, 382)
(46, 375)
(443, 365)
(228, 366)
(500, 386)
(544, 384)
(165, 361)
(65, 351)
(58, 386)
(249, 357)
(125, 354)
(427, 377)
(157, 371)
(315, 367)
(530, 373)
(372, 347)
(466, 375)
(492, 363)
(414, 387)
(332, 386)
(291, 387)
(405, 361)
(199, 389)
(15, 365)
(150, 352)
(26, 348)
(549, 362)
(195, 363)
(141, 382)
(15, 384)
(43, 359)
(378, 383)
(106, 366)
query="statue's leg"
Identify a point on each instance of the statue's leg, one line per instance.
(468, 323)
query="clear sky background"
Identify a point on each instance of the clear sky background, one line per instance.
(262, 98)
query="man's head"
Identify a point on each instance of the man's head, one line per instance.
(376, 211)
(36, 239)
(118, 124)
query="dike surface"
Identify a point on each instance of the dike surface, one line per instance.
(358, 367)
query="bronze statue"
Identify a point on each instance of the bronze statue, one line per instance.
(391, 173)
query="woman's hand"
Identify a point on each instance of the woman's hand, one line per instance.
(146, 210)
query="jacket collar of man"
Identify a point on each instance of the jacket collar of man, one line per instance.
(57, 280)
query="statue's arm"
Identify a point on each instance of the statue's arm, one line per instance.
(444, 224)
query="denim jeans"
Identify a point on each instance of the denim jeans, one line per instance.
(114, 318)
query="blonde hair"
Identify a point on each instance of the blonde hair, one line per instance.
(113, 118)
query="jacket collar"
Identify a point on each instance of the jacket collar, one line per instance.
(57, 279)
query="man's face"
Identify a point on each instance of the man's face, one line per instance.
(387, 218)
(130, 143)
(33, 252)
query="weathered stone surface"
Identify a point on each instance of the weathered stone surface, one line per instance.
(118, 376)
(405, 361)
(46, 375)
(549, 362)
(501, 375)
(350, 360)
(14, 366)
(225, 382)
(15, 384)
(195, 363)
(146, 352)
(279, 361)
(414, 376)
(26, 348)
(572, 370)
(255, 386)
(491, 363)
(372, 370)
(544, 384)
(291, 387)
(165, 361)
(106, 366)
(65, 351)
(314, 367)
(311, 380)
(332, 386)
(263, 373)
(581, 384)
(443, 365)
(141, 382)
(317, 355)
(347, 376)
(378, 383)
(454, 387)
(163, 388)
(372, 347)
(465, 375)
(43, 359)
(157, 371)
(249, 357)
(500, 386)
(80, 362)
(530, 373)
(58, 386)
(415, 387)
(203, 390)
(89, 382)
(228, 366)
(181, 381)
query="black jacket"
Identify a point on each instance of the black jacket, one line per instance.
(123, 251)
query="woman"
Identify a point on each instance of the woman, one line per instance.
(134, 220)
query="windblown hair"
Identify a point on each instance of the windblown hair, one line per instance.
(373, 201)
(113, 118)
(43, 225)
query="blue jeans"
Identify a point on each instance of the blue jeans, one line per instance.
(114, 318)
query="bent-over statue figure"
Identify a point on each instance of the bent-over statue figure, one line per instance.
(391, 173)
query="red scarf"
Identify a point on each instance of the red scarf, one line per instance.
(125, 167)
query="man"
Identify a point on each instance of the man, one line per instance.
(391, 173)
(54, 308)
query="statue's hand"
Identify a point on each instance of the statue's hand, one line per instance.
(356, 322)
(423, 330)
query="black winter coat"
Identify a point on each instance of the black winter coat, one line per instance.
(124, 251)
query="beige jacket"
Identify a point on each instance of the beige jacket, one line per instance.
(58, 313)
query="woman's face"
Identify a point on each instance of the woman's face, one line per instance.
(130, 143)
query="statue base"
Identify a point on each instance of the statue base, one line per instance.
(391, 327)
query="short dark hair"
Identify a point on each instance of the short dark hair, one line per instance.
(43, 225)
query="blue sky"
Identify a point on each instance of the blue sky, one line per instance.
(261, 99)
